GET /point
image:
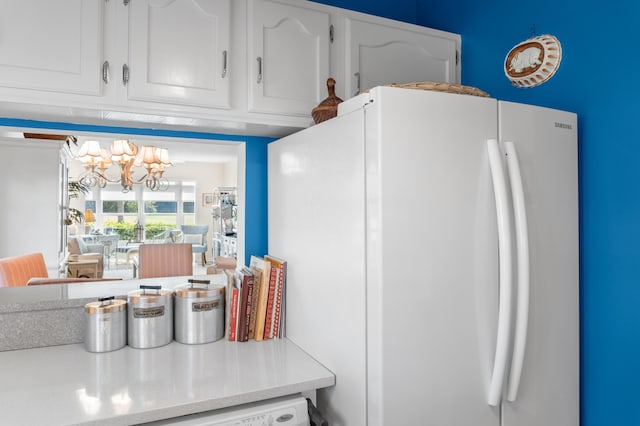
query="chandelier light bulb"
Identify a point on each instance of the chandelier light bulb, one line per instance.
(105, 160)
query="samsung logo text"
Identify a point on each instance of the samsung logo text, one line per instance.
(564, 126)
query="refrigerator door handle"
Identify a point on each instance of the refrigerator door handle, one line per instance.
(522, 244)
(505, 272)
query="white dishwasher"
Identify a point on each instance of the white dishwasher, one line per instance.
(283, 411)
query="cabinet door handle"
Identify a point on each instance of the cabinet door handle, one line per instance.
(125, 74)
(105, 72)
(224, 63)
(259, 59)
(357, 76)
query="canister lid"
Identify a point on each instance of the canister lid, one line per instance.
(189, 291)
(107, 305)
(148, 293)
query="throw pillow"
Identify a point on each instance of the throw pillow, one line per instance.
(73, 246)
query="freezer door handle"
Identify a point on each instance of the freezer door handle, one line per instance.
(522, 244)
(505, 272)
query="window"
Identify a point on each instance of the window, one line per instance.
(116, 206)
(90, 205)
(156, 210)
(160, 210)
(188, 201)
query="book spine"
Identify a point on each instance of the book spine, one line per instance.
(262, 305)
(242, 311)
(270, 300)
(275, 297)
(254, 307)
(233, 322)
(247, 312)
(278, 309)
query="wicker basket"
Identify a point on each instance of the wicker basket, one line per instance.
(442, 87)
(329, 107)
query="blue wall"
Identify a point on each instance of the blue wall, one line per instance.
(598, 80)
(256, 173)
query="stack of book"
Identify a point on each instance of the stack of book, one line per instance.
(255, 307)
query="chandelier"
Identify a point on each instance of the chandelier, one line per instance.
(127, 155)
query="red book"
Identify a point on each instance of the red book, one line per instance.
(246, 296)
(249, 309)
(233, 322)
(281, 266)
(270, 304)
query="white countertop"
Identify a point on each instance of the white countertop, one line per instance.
(62, 385)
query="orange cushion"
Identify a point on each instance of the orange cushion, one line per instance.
(165, 260)
(17, 270)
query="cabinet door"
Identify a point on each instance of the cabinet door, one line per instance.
(288, 57)
(51, 46)
(178, 52)
(381, 51)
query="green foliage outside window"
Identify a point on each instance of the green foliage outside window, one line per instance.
(120, 207)
(127, 232)
(153, 229)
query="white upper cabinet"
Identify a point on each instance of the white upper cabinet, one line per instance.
(288, 57)
(51, 45)
(253, 67)
(179, 52)
(379, 51)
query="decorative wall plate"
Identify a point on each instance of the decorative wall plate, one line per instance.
(533, 61)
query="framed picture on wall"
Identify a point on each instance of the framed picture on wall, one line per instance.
(207, 199)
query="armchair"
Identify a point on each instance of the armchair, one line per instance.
(197, 236)
(79, 250)
(17, 270)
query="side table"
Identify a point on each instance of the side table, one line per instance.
(76, 265)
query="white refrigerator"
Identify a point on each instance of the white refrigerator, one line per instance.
(432, 248)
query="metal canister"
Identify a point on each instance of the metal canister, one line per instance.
(150, 317)
(105, 325)
(199, 316)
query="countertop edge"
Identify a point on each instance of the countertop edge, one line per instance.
(214, 404)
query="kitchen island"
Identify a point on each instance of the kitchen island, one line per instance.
(63, 385)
